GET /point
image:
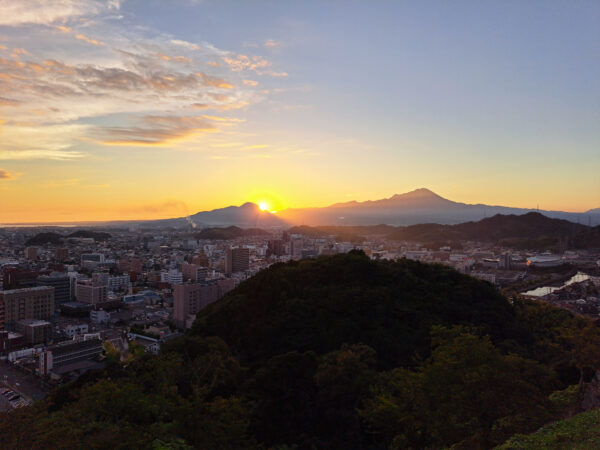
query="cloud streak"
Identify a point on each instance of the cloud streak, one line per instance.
(6, 175)
(155, 130)
(19, 12)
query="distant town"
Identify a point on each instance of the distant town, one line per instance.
(68, 300)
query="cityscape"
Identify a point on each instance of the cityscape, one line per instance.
(299, 225)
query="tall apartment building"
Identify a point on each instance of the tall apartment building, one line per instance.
(91, 293)
(275, 247)
(296, 246)
(61, 284)
(31, 253)
(28, 303)
(238, 260)
(190, 298)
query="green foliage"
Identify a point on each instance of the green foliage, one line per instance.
(337, 352)
(100, 236)
(581, 432)
(45, 238)
(532, 230)
(229, 233)
(323, 303)
(465, 393)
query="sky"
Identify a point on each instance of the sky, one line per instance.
(142, 109)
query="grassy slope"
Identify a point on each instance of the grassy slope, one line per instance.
(579, 432)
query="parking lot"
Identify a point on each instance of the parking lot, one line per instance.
(27, 387)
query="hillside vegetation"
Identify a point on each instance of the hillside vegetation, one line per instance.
(337, 352)
(229, 233)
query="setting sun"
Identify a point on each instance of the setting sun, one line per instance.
(263, 206)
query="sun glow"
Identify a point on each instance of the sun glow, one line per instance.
(263, 206)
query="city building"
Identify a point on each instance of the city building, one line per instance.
(296, 245)
(61, 254)
(61, 284)
(75, 329)
(28, 303)
(10, 341)
(135, 265)
(275, 247)
(238, 260)
(118, 283)
(173, 276)
(194, 272)
(91, 293)
(69, 352)
(35, 331)
(190, 298)
(31, 253)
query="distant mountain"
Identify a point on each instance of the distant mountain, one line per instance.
(418, 206)
(415, 207)
(248, 215)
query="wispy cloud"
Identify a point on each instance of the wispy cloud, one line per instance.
(19, 12)
(88, 71)
(272, 43)
(6, 175)
(155, 130)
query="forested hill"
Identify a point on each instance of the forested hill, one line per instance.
(494, 229)
(337, 352)
(231, 232)
(320, 304)
(528, 231)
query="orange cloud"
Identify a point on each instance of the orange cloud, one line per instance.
(271, 43)
(155, 130)
(6, 175)
(250, 83)
(223, 119)
(63, 28)
(241, 62)
(89, 40)
(209, 80)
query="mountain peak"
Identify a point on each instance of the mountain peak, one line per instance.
(421, 192)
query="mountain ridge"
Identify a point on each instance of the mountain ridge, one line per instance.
(410, 208)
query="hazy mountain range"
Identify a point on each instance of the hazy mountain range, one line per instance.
(418, 206)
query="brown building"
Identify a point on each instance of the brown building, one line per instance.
(18, 278)
(10, 342)
(190, 298)
(200, 259)
(61, 254)
(28, 303)
(194, 272)
(238, 260)
(31, 253)
(91, 293)
(35, 331)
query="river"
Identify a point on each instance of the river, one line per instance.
(545, 290)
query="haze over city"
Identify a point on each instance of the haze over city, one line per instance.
(129, 109)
